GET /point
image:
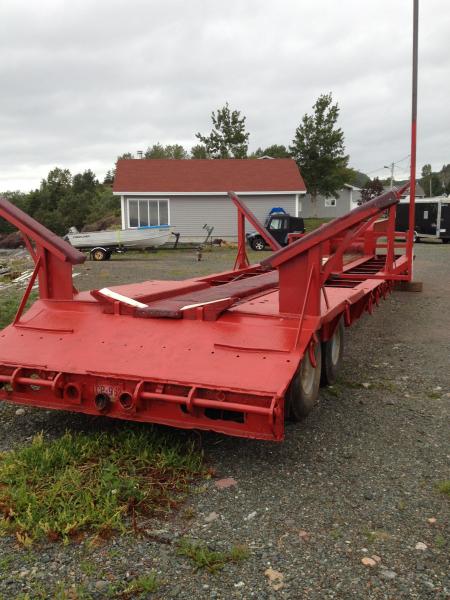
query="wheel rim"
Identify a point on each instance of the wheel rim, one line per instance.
(336, 346)
(307, 375)
(259, 245)
(98, 255)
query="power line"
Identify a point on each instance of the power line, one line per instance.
(395, 163)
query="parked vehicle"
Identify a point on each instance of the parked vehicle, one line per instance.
(280, 225)
(101, 244)
(432, 218)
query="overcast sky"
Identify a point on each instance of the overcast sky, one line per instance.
(83, 81)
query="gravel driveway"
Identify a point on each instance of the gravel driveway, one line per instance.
(346, 507)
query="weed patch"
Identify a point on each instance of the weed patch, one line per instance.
(211, 560)
(145, 584)
(376, 536)
(92, 484)
(444, 487)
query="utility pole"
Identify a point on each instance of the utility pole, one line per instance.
(391, 167)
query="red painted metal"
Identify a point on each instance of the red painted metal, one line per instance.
(243, 212)
(52, 256)
(215, 353)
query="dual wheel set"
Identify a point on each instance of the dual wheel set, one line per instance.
(319, 367)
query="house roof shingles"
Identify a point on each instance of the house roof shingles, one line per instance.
(202, 175)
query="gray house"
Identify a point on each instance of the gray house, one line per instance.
(349, 198)
(419, 189)
(187, 194)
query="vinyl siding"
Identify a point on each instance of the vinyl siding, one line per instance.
(347, 201)
(188, 214)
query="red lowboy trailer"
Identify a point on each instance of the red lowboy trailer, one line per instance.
(235, 352)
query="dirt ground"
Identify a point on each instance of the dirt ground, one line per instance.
(356, 480)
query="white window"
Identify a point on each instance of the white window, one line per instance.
(329, 202)
(148, 213)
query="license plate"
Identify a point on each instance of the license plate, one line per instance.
(113, 391)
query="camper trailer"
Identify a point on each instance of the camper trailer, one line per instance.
(432, 218)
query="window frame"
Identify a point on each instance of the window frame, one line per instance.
(330, 202)
(147, 200)
(278, 218)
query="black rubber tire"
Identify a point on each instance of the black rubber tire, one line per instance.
(99, 254)
(332, 354)
(108, 255)
(258, 244)
(304, 389)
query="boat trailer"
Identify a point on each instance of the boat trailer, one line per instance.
(236, 352)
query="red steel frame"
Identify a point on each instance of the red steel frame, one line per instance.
(214, 353)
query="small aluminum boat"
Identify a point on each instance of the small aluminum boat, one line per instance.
(102, 243)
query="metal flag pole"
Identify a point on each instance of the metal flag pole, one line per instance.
(412, 187)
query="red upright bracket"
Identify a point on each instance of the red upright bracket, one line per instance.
(244, 212)
(53, 257)
(297, 261)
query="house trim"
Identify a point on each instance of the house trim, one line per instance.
(256, 193)
(122, 211)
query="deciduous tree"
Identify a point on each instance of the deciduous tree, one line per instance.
(318, 147)
(274, 151)
(431, 182)
(199, 151)
(228, 138)
(173, 151)
(371, 189)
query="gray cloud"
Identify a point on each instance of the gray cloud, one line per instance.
(83, 82)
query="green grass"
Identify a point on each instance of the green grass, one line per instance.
(60, 592)
(314, 223)
(211, 560)
(336, 533)
(9, 303)
(145, 584)
(376, 536)
(92, 484)
(444, 487)
(137, 588)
